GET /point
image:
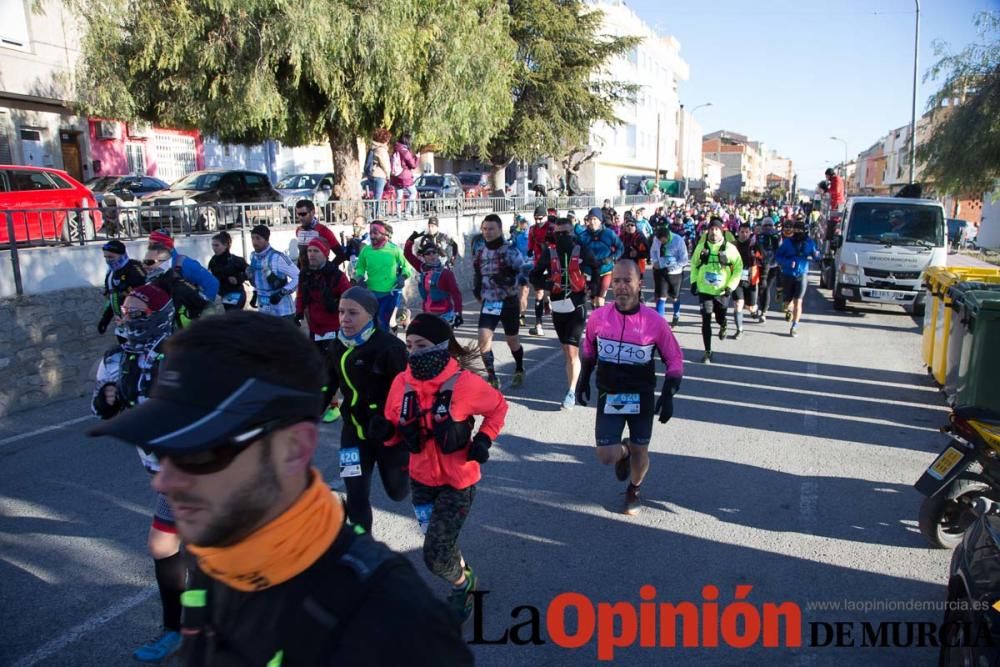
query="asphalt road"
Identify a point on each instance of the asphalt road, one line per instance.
(788, 467)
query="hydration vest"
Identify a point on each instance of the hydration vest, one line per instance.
(706, 253)
(577, 281)
(451, 436)
(429, 285)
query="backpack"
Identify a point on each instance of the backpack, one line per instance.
(369, 163)
(451, 436)
(396, 164)
(428, 286)
(577, 281)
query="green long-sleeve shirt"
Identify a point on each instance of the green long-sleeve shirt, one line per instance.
(380, 267)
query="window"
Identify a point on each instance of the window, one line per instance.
(175, 155)
(135, 153)
(21, 181)
(258, 181)
(60, 182)
(13, 24)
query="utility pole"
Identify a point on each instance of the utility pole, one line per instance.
(657, 176)
(913, 107)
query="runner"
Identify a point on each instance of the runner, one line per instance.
(436, 282)
(230, 270)
(715, 272)
(447, 248)
(191, 286)
(496, 266)
(635, 245)
(273, 275)
(793, 256)
(433, 405)
(620, 341)
(383, 269)
(321, 285)
(124, 379)
(123, 275)
(364, 361)
(606, 249)
(745, 293)
(539, 236)
(669, 257)
(768, 241)
(559, 270)
(280, 578)
(310, 228)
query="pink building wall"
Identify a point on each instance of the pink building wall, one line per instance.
(111, 153)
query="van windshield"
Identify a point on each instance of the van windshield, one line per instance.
(896, 224)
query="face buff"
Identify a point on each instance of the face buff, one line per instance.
(359, 338)
(430, 361)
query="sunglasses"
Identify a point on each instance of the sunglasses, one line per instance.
(303, 214)
(150, 262)
(135, 313)
(217, 459)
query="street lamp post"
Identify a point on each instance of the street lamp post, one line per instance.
(913, 106)
(686, 148)
(845, 154)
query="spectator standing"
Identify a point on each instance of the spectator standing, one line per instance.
(403, 163)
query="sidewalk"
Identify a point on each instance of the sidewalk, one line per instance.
(959, 259)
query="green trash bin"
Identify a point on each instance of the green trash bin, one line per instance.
(957, 338)
(979, 365)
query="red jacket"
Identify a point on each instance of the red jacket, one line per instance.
(836, 191)
(472, 397)
(539, 237)
(446, 284)
(318, 296)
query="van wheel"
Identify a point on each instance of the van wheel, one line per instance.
(918, 310)
(839, 302)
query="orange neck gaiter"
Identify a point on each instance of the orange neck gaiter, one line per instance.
(282, 549)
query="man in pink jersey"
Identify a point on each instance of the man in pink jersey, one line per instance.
(620, 340)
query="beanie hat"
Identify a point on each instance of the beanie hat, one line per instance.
(262, 231)
(541, 212)
(161, 238)
(114, 246)
(363, 298)
(431, 327)
(716, 222)
(151, 295)
(320, 244)
(596, 213)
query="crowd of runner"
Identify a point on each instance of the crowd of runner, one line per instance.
(424, 409)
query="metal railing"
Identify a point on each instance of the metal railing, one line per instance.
(127, 221)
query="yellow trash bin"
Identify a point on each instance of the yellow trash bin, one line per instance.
(942, 320)
(933, 277)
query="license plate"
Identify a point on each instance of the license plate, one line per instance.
(945, 463)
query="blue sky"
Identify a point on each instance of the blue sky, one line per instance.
(792, 74)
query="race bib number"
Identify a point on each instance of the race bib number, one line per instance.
(492, 307)
(712, 278)
(621, 404)
(745, 275)
(563, 306)
(231, 299)
(423, 513)
(617, 352)
(350, 462)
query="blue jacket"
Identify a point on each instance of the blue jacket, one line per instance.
(197, 275)
(519, 240)
(605, 246)
(793, 257)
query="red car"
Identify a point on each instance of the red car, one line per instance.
(37, 198)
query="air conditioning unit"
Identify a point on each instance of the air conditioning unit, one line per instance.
(139, 129)
(107, 129)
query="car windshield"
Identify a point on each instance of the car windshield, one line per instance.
(198, 181)
(897, 224)
(298, 182)
(431, 181)
(469, 179)
(103, 184)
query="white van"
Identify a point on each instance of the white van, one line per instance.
(885, 245)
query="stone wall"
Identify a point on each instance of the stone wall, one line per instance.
(49, 347)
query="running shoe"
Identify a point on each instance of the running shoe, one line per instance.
(674, 322)
(794, 332)
(494, 381)
(460, 599)
(518, 379)
(521, 321)
(624, 465)
(707, 358)
(331, 415)
(722, 332)
(762, 318)
(632, 502)
(738, 334)
(537, 330)
(158, 650)
(569, 400)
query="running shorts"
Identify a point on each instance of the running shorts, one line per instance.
(569, 326)
(608, 428)
(509, 315)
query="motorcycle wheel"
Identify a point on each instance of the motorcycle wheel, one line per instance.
(956, 648)
(944, 517)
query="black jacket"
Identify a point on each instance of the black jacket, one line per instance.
(117, 284)
(226, 266)
(370, 608)
(364, 374)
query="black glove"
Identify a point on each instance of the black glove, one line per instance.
(694, 288)
(253, 300)
(479, 449)
(275, 298)
(102, 326)
(298, 320)
(379, 428)
(727, 292)
(665, 403)
(583, 383)
(459, 321)
(415, 235)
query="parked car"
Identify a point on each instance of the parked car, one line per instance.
(44, 188)
(316, 187)
(125, 188)
(439, 186)
(474, 184)
(207, 200)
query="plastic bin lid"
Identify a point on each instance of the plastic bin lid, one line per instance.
(959, 291)
(983, 303)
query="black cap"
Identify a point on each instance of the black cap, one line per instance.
(262, 231)
(199, 402)
(541, 212)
